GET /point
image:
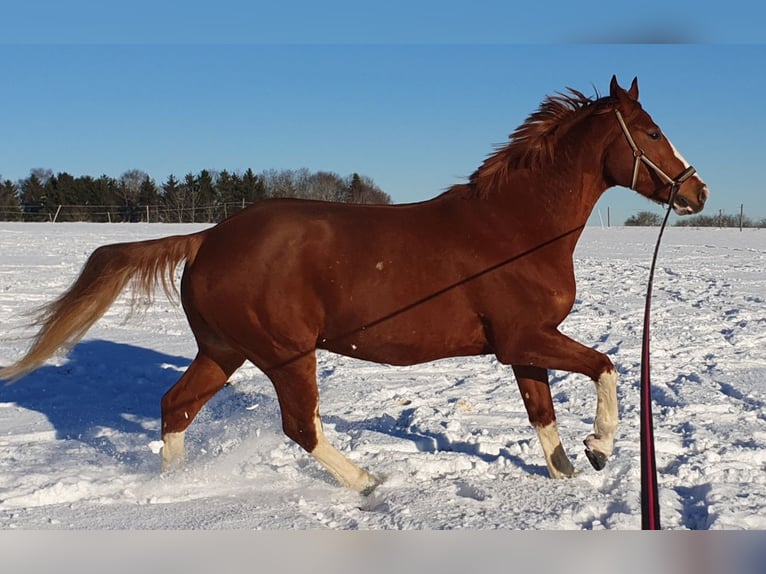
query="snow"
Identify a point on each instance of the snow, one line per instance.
(79, 437)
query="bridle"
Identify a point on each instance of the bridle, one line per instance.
(639, 156)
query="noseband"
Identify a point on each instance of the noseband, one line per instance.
(639, 156)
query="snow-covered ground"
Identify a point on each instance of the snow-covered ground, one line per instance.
(78, 438)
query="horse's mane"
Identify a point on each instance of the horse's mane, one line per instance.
(533, 144)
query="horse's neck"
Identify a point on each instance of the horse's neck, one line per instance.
(560, 194)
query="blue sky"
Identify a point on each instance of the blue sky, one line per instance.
(416, 111)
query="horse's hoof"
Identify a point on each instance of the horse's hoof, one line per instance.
(370, 488)
(597, 459)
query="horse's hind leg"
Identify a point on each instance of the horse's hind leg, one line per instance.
(536, 392)
(298, 396)
(205, 376)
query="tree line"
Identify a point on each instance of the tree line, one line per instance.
(650, 219)
(207, 196)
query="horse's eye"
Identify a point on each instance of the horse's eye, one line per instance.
(655, 135)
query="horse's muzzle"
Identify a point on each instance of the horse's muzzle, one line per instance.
(687, 203)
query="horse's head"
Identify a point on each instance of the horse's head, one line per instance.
(642, 158)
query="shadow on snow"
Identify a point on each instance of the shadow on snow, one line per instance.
(103, 388)
(106, 389)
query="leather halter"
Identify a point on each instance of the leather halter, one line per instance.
(639, 156)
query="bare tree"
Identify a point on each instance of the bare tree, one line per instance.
(129, 185)
(327, 186)
(43, 175)
(279, 183)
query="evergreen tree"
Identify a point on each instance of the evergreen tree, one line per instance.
(226, 190)
(190, 191)
(252, 187)
(33, 197)
(88, 200)
(106, 196)
(362, 189)
(172, 197)
(61, 190)
(148, 194)
(354, 190)
(53, 194)
(206, 196)
(149, 197)
(9, 201)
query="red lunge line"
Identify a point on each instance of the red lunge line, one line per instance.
(650, 503)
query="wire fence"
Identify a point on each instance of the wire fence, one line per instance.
(215, 212)
(208, 213)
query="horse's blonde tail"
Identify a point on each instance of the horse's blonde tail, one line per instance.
(63, 322)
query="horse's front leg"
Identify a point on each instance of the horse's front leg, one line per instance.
(536, 392)
(554, 350)
(600, 444)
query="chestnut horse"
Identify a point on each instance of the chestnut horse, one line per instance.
(485, 267)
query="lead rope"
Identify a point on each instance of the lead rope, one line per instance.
(650, 504)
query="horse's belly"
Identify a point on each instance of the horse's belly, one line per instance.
(408, 343)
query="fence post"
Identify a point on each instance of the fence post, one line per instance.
(55, 217)
(741, 215)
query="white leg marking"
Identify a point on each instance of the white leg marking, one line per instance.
(173, 452)
(555, 457)
(605, 425)
(345, 471)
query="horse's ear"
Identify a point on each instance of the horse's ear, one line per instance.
(614, 87)
(615, 91)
